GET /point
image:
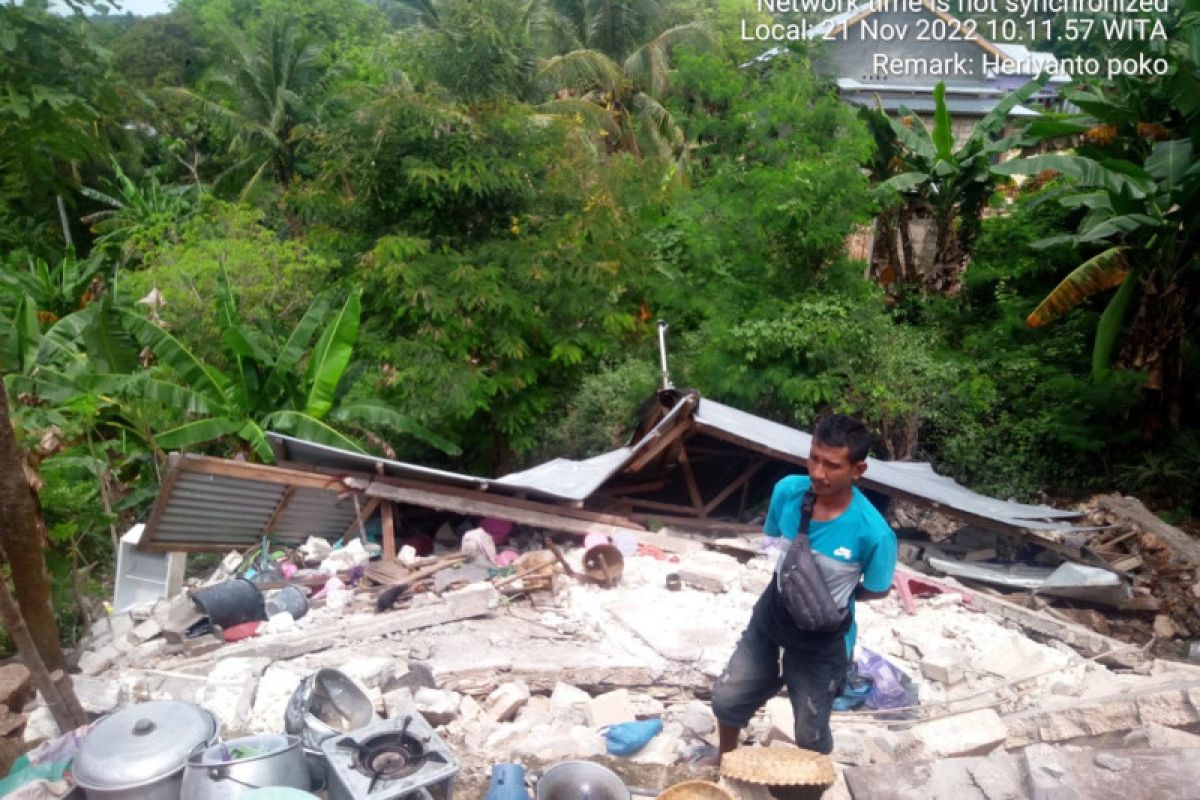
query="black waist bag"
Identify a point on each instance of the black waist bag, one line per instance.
(802, 586)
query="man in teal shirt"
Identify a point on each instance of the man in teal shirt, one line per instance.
(857, 552)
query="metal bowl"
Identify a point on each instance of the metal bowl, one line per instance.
(580, 780)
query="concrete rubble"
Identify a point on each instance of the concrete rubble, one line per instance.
(1002, 713)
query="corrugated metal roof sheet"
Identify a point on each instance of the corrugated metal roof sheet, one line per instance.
(205, 505)
(916, 479)
(302, 451)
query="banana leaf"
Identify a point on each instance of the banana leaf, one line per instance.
(331, 356)
(297, 423)
(1110, 325)
(194, 372)
(1084, 170)
(1103, 271)
(198, 432)
(109, 346)
(282, 381)
(373, 414)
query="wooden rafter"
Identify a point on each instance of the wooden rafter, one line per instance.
(288, 492)
(741, 481)
(692, 487)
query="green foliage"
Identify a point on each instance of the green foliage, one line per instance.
(274, 279)
(829, 350)
(600, 415)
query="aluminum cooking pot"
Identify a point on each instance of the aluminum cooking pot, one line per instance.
(139, 752)
(326, 703)
(237, 767)
(580, 780)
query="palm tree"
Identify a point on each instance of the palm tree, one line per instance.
(259, 95)
(622, 96)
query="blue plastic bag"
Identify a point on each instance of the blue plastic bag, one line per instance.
(626, 738)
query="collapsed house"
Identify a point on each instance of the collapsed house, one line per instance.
(530, 661)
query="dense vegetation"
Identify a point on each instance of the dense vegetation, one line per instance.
(444, 229)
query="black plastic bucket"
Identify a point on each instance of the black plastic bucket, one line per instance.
(230, 603)
(290, 599)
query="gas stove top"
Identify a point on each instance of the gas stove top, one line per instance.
(399, 758)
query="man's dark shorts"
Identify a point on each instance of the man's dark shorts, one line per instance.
(813, 669)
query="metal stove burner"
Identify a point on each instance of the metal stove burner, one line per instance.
(388, 756)
(390, 761)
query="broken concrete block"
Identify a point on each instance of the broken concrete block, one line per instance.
(994, 777)
(97, 695)
(1112, 762)
(974, 733)
(124, 644)
(437, 706)
(16, 686)
(859, 745)
(1164, 627)
(1173, 704)
(469, 709)
(535, 713)
(230, 689)
(610, 708)
(120, 625)
(645, 706)
(40, 725)
(399, 702)
(663, 748)
(413, 675)
(275, 689)
(943, 667)
(1161, 737)
(695, 716)
(712, 572)
(1048, 776)
(146, 630)
(556, 742)
(93, 662)
(503, 704)
(372, 672)
(147, 650)
(569, 703)
(781, 721)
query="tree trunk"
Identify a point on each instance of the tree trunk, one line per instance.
(22, 543)
(55, 687)
(1154, 346)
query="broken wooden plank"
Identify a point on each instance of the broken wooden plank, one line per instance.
(1131, 510)
(387, 514)
(742, 480)
(547, 516)
(361, 518)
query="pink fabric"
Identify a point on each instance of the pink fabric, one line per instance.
(499, 529)
(507, 557)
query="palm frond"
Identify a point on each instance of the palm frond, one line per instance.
(581, 69)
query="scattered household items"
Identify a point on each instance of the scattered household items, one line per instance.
(327, 703)
(508, 783)
(288, 600)
(890, 688)
(230, 603)
(574, 780)
(626, 738)
(604, 564)
(779, 766)
(140, 752)
(234, 768)
(143, 577)
(695, 790)
(392, 759)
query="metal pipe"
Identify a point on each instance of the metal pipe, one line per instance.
(662, 352)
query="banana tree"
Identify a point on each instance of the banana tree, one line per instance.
(287, 384)
(1135, 181)
(945, 185)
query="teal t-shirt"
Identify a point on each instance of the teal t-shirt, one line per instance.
(859, 534)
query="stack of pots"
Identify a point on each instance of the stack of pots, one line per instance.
(139, 753)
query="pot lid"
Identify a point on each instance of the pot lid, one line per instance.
(142, 744)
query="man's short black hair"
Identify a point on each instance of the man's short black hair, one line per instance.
(839, 430)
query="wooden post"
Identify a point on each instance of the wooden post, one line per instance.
(55, 688)
(693, 489)
(387, 516)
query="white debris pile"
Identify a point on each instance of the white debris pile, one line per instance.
(512, 680)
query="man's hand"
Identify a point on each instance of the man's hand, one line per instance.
(772, 544)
